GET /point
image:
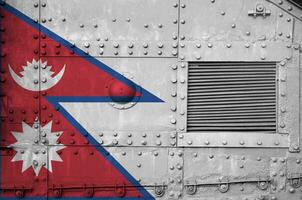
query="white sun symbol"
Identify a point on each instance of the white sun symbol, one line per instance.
(37, 146)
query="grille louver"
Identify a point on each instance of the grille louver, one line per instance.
(231, 97)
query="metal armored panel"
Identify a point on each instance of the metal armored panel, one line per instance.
(96, 99)
(133, 124)
(114, 28)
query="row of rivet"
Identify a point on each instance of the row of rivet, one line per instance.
(144, 142)
(289, 8)
(229, 45)
(225, 143)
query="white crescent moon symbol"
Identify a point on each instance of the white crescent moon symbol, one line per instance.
(29, 82)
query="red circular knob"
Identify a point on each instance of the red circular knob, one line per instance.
(120, 92)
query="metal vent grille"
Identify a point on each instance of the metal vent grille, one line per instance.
(231, 97)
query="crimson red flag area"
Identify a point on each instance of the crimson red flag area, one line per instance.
(45, 148)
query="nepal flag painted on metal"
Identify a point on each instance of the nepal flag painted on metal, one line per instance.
(42, 143)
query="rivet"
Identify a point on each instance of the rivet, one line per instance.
(233, 25)
(206, 142)
(174, 53)
(228, 45)
(280, 14)
(263, 45)
(173, 108)
(113, 20)
(290, 8)
(145, 45)
(259, 142)
(182, 21)
(183, 5)
(241, 142)
(174, 67)
(283, 110)
(175, 5)
(276, 143)
(222, 13)
(247, 45)
(211, 156)
(115, 45)
(160, 25)
(224, 142)
(128, 20)
(173, 80)
(298, 161)
(210, 45)
(258, 158)
(248, 33)
(296, 147)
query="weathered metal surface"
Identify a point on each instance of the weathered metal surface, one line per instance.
(114, 28)
(94, 99)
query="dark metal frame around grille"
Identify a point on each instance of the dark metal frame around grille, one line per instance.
(232, 97)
